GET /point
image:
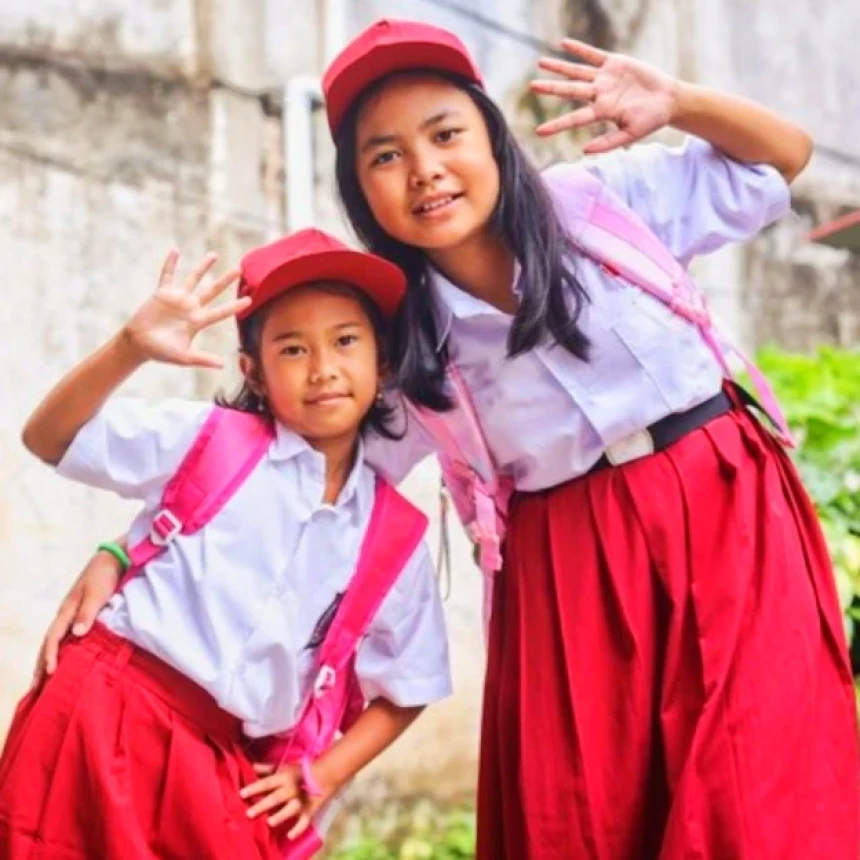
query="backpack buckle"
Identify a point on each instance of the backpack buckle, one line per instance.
(165, 527)
(324, 680)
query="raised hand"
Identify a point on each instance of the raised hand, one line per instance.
(636, 97)
(164, 327)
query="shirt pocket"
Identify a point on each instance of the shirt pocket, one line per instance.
(669, 349)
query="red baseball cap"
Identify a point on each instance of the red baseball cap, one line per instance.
(386, 47)
(311, 255)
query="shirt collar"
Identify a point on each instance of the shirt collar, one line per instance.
(288, 445)
(451, 302)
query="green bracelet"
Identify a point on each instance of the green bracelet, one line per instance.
(117, 552)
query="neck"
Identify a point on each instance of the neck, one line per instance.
(482, 266)
(339, 453)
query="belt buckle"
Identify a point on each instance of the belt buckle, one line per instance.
(633, 447)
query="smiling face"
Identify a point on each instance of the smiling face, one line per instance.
(425, 163)
(318, 364)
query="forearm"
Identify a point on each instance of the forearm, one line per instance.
(376, 729)
(77, 397)
(742, 129)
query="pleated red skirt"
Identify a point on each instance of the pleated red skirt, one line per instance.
(668, 673)
(120, 757)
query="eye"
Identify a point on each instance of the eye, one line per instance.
(292, 350)
(446, 135)
(347, 339)
(384, 158)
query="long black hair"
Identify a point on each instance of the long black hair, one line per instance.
(381, 415)
(524, 217)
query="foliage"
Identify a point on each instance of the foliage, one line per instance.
(423, 833)
(820, 394)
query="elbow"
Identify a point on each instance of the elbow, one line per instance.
(798, 158)
(37, 446)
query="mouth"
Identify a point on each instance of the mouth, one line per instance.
(330, 399)
(436, 204)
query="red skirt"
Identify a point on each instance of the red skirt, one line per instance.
(668, 673)
(118, 756)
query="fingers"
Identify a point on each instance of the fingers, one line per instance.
(289, 810)
(575, 119)
(206, 360)
(263, 769)
(199, 271)
(224, 311)
(168, 268)
(606, 142)
(565, 89)
(91, 604)
(207, 292)
(572, 71)
(38, 670)
(585, 51)
(300, 826)
(58, 630)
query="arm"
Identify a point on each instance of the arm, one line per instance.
(89, 594)
(742, 129)
(640, 100)
(379, 725)
(162, 329)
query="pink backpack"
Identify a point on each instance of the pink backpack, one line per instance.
(226, 450)
(608, 231)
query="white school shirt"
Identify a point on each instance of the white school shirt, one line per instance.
(235, 606)
(548, 416)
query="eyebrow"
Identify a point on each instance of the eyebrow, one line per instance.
(286, 335)
(383, 139)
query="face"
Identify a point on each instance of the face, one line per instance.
(425, 163)
(319, 363)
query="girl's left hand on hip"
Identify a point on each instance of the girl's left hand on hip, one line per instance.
(284, 798)
(636, 97)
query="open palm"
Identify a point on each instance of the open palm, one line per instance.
(636, 97)
(164, 327)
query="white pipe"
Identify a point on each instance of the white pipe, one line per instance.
(301, 96)
(334, 28)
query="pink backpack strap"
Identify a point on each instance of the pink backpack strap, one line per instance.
(617, 239)
(227, 448)
(480, 495)
(393, 534)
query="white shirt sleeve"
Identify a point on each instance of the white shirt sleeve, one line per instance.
(694, 198)
(404, 658)
(133, 448)
(394, 459)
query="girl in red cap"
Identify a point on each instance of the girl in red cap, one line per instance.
(667, 671)
(135, 747)
(668, 674)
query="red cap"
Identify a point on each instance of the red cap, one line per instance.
(311, 255)
(386, 47)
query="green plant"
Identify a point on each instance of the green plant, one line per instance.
(820, 394)
(421, 833)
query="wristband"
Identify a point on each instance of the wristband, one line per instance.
(117, 552)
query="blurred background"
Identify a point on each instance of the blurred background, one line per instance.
(129, 128)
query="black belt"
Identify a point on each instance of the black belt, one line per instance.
(670, 429)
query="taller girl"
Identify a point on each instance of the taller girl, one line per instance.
(667, 670)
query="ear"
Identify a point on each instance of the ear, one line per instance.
(253, 377)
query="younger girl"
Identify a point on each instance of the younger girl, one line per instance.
(134, 747)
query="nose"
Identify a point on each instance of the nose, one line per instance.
(323, 367)
(426, 169)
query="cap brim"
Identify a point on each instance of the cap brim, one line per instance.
(383, 282)
(346, 84)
